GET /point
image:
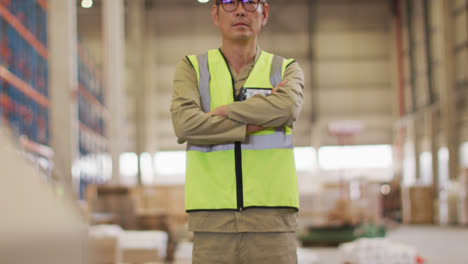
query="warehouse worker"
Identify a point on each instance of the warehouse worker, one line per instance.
(235, 107)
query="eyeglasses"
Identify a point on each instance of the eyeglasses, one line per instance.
(248, 5)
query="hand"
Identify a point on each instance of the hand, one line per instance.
(281, 84)
(219, 111)
(253, 128)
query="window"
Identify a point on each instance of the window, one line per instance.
(305, 158)
(146, 167)
(128, 167)
(170, 162)
(355, 157)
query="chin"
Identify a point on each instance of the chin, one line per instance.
(242, 37)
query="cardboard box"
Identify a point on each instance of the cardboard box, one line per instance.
(161, 207)
(167, 197)
(464, 180)
(136, 255)
(463, 209)
(104, 249)
(143, 246)
(104, 240)
(314, 208)
(150, 197)
(343, 214)
(333, 206)
(114, 200)
(418, 205)
(371, 202)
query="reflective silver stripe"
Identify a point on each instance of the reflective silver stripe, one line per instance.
(209, 148)
(204, 82)
(278, 140)
(276, 70)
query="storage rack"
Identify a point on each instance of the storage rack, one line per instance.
(92, 115)
(24, 66)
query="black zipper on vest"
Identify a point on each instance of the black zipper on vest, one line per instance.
(237, 152)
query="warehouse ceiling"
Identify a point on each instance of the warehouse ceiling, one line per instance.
(343, 46)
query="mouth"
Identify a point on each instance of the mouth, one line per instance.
(240, 24)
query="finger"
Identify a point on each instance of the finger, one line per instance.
(283, 83)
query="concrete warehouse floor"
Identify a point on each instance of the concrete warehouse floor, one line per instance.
(438, 245)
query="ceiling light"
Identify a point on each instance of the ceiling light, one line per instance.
(203, 1)
(86, 3)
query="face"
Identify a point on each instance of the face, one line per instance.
(240, 24)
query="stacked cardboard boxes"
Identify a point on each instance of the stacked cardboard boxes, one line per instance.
(317, 207)
(334, 206)
(162, 207)
(115, 201)
(155, 204)
(370, 203)
(418, 205)
(111, 244)
(143, 246)
(104, 240)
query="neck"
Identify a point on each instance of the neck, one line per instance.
(239, 54)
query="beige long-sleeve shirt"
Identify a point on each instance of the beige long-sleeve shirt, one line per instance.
(197, 127)
(192, 124)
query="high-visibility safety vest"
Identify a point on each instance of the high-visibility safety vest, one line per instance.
(259, 173)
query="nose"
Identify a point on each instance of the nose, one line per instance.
(240, 11)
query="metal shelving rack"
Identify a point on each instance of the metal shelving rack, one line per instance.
(24, 65)
(93, 116)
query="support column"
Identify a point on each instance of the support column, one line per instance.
(152, 144)
(136, 60)
(316, 122)
(416, 138)
(447, 99)
(399, 109)
(63, 87)
(433, 128)
(114, 78)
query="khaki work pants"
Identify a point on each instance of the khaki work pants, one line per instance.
(244, 248)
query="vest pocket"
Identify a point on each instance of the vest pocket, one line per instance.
(269, 178)
(210, 181)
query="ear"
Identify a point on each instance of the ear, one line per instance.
(214, 14)
(265, 11)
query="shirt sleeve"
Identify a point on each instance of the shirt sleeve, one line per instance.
(275, 110)
(190, 122)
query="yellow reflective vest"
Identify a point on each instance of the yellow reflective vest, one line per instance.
(258, 173)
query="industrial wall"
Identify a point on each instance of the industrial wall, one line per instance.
(434, 57)
(343, 47)
(360, 58)
(431, 60)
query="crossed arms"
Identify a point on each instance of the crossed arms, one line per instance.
(232, 122)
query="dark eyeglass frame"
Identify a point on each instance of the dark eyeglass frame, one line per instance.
(220, 3)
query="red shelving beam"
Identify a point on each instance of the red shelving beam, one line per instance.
(82, 90)
(25, 88)
(24, 32)
(42, 3)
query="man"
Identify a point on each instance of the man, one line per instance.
(235, 107)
